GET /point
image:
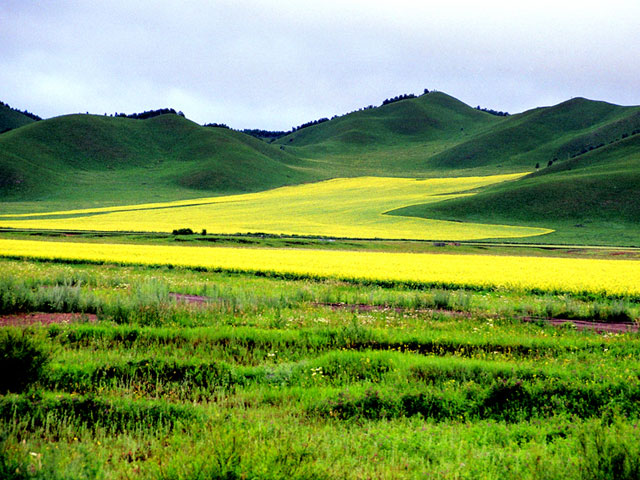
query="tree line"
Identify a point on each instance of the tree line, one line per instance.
(493, 112)
(26, 113)
(272, 135)
(148, 114)
(398, 98)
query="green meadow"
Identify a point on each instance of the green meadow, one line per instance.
(183, 374)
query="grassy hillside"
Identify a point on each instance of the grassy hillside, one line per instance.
(395, 139)
(88, 159)
(10, 118)
(79, 157)
(544, 134)
(592, 198)
(437, 135)
(430, 117)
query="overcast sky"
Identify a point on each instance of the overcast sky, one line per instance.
(276, 64)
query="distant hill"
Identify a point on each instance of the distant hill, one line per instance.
(584, 157)
(97, 159)
(537, 136)
(11, 118)
(593, 198)
(433, 116)
(393, 139)
(435, 134)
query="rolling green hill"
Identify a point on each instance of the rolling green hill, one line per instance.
(589, 193)
(543, 134)
(10, 118)
(592, 198)
(434, 116)
(437, 135)
(395, 139)
(96, 160)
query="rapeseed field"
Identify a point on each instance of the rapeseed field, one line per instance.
(610, 277)
(344, 207)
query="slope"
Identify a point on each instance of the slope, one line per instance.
(432, 116)
(542, 135)
(593, 198)
(90, 160)
(84, 161)
(437, 135)
(394, 139)
(10, 118)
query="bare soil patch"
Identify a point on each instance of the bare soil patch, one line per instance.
(588, 325)
(363, 307)
(183, 297)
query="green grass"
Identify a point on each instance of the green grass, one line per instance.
(10, 119)
(543, 134)
(429, 119)
(436, 133)
(93, 160)
(590, 199)
(263, 382)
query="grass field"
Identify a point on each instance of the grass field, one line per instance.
(352, 208)
(263, 379)
(590, 199)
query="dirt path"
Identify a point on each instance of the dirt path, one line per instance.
(587, 325)
(362, 307)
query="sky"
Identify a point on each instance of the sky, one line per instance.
(277, 64)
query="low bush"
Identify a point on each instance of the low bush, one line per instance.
(22, 360)
(182, 231)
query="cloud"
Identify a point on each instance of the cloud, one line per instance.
(278, 64)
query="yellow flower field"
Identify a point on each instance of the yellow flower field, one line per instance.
(561, 274)
(345, 207)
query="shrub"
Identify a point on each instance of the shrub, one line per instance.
(10, 469)
(22, 361)
(182, 231)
